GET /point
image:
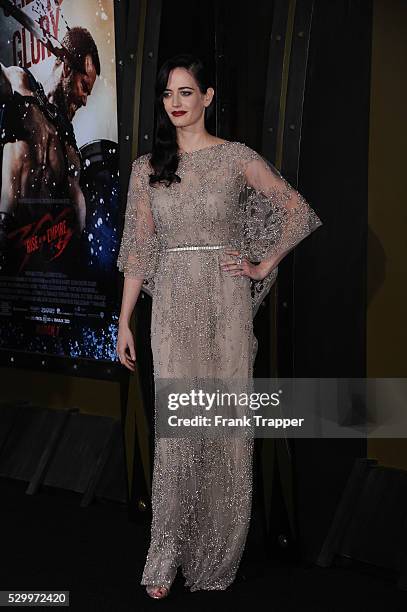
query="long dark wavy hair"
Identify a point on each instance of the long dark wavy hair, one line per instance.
(164, 155)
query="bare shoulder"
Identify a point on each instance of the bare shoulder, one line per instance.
(17, 79)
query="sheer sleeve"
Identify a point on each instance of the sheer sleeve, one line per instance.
(276, 219)
(139, 245)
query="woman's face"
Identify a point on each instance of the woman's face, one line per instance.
(183, 100)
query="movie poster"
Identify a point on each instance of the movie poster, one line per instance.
(59, 178)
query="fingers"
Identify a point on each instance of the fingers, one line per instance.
(240, 271)
(235, 268)
(127, 362)
(126, 359)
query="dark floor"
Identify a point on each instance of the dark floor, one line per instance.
(49, 542)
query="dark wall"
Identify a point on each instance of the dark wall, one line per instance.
(330, 322)
(387, 245)
(233, 41)
(330, 268)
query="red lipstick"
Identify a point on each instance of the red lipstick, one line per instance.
(178, 113)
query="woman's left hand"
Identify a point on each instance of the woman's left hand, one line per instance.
(242, 266)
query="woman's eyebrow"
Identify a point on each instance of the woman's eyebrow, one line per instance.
(183, 87)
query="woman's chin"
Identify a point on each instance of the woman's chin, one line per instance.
(180, 121)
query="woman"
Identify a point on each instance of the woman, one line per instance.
(208, 260)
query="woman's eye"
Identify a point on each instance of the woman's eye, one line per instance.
(186, 93)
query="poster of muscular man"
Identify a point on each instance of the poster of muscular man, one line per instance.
(59, 178)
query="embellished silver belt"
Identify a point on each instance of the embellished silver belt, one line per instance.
(199, 247)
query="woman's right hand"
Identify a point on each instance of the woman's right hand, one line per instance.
(125, 347)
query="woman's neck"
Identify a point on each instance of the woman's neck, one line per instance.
(192, 142)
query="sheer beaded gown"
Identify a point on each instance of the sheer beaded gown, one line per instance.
(202, 327)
